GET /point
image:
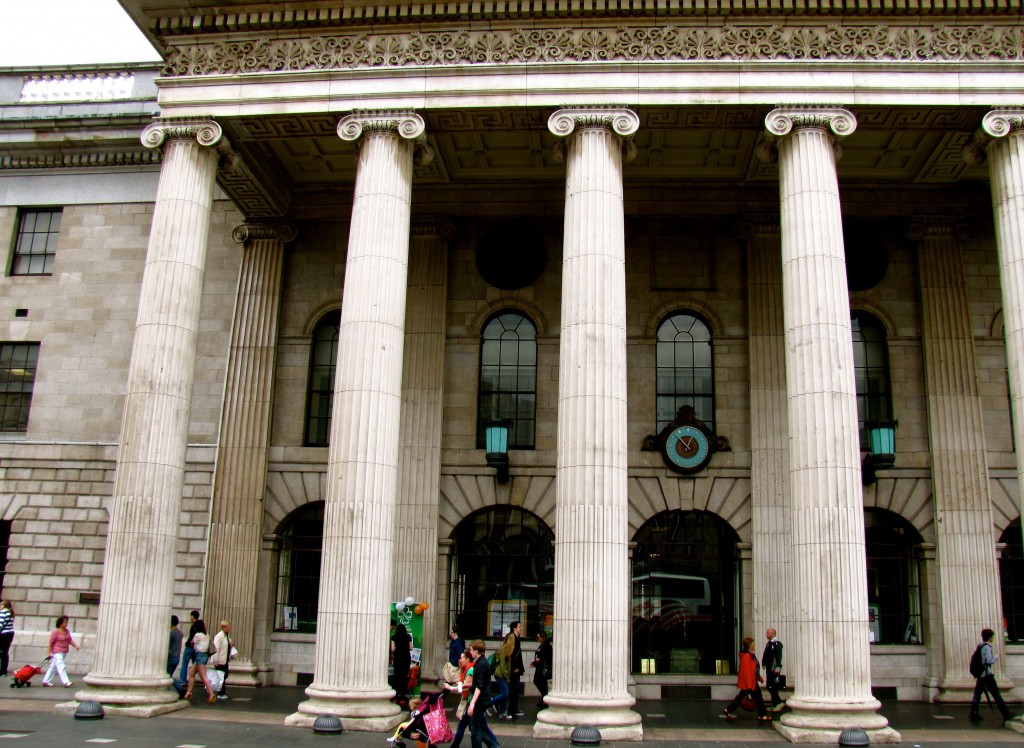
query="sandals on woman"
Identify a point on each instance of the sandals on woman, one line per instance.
(212, 699)
(728, 714)
(187, 696)
(765, 718)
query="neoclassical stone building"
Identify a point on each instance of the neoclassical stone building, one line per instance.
(266, 298)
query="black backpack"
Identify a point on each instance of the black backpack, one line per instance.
(977, 666)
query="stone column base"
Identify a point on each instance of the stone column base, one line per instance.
(814, 722)
(615, 720)
(247, 674)
(129, 710)
(360, 711)
(962, 691)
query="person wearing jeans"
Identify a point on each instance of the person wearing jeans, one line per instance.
(6, 634)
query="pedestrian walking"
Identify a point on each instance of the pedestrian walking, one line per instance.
(516, 669)
(541, 665)
(174, 647)
(60, 644)
(189, 654)
(772, 661)
(221, 657)
(6, 635)
(986, 680)
(479, 730)
(749, 677)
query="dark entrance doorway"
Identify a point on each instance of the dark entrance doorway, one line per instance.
(684, 594)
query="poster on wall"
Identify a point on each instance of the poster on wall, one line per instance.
(500, 613)
(290, 615)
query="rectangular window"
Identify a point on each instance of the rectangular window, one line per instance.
(17, 377)
(36, 245)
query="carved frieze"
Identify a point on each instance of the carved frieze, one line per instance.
(727, 42)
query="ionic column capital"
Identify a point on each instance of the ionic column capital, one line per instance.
(781, 121)
(998, 123)
(441, 226)
(404, 123)
(925, 227)
(280, 229)
(204, 131)
(621, 120)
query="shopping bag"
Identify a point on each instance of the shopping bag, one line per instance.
(436, 722)
(216, 678)
(748, 703)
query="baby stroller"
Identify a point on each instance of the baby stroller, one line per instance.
(427, 724)
(23, 675)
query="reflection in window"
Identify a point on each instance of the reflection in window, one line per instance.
(894, 578)
(685, 369)
(508, 378)
(871, 369)
(320, 397)
(684, 583)
(36, 246)
(298, 570)
(1011, 582)
(17, 380)
(503, 569)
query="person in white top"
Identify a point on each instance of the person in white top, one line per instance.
(221, 658)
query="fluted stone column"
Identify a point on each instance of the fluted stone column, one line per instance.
(769, 470)
(240, 477)
(138, 572)
(1003, 134)
(592, 583)
(419, 457)
(362, 471)
(968, 574)
(829, 604)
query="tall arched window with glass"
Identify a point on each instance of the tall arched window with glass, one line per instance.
(300, 546)
(686, 374)
(323, 358)
(871, 369)
(508, 378)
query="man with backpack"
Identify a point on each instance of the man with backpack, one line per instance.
(981, 668)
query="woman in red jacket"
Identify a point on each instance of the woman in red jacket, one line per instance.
(749, 677)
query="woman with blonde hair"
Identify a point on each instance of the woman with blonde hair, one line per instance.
(221, 657)
(6, 634)
(502, 674)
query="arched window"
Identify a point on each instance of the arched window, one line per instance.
(894, 578)
(503, 570)
(508, 378)
(684, 604)
(871, 369)
(1011, 581)
(685, 373)
(298, 569)
(323, 357)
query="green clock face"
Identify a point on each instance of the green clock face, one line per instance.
(687, 449)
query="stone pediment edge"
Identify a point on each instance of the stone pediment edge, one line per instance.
(218, 22)
(847, 41)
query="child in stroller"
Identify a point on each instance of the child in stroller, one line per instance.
(415, 728)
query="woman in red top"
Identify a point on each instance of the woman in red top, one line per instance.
(749, 677)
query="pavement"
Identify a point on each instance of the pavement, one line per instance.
(255, 717)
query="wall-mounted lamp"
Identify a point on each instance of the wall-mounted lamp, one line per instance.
(882, 448)
(496, 437)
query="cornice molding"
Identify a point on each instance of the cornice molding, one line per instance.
(198, 22)
(667, 42)
(90, 160)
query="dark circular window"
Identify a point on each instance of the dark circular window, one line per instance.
(867, 257)
(511, 255)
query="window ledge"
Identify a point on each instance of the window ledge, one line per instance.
(292, 636)
(914, 649)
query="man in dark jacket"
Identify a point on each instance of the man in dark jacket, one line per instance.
(986, 682)
(479, 730)
(542, 667)
(772, 662)
(189, 654)
(515, 629)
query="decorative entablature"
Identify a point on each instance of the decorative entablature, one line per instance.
(850, 41)
(197, 20)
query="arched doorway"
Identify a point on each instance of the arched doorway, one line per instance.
(684, 593)
(503, 569)
(894, 578)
